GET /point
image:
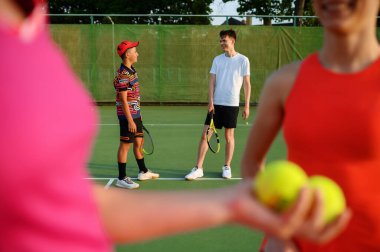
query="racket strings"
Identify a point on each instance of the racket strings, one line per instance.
(147, 144)
(213, 140)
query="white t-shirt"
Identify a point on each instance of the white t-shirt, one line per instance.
(229, 73)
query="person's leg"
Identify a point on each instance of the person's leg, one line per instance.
(230, 145)
(138, 140)
(139, 155)
(197, 171)
(126, 138)
(229, 120)
(202, 148)
(122, 153)
(144, 173)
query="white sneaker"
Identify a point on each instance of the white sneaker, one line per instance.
(226, 172)
(147, 175)
(194, 174)
(127, 183)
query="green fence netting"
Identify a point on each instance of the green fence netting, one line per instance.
(174, 61)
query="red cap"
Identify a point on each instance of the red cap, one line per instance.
(126, 44)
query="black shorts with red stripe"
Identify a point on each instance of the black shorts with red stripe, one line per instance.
(127, 136)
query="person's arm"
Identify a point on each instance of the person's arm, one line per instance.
(211, 90)
(124, 104)
(247, 95)
(268, 119)
(129, 216)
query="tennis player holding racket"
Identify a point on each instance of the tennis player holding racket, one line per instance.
(127, 88)
(230, 70)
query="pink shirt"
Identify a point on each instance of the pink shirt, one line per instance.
(46, 130)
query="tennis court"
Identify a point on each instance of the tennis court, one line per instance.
(176, 131)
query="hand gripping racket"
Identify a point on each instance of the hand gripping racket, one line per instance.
(212, 136)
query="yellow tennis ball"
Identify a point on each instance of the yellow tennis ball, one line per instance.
(246, 123)
(279, 184)
(332, 195)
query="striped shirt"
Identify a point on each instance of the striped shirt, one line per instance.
(126, 80)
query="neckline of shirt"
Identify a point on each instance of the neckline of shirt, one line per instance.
(366, 69)
(231, 56)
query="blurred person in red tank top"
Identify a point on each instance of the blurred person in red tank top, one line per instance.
(329, 108)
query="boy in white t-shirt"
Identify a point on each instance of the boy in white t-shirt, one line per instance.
(228, 73)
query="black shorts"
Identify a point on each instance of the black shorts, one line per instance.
(127, 136)
(224, 116)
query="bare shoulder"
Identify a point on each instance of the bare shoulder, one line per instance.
(281, 81)
(286, 75)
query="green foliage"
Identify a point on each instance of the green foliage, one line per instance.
(272, 7)
(308, 11)
(132, 7)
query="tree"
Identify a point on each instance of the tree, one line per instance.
(309, 11)
(265, 7)
(132, 7)
(274, 8)
(299, 9)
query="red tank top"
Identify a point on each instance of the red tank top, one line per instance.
(332, 128)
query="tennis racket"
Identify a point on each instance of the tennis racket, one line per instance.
(212, 136)
(147, 144)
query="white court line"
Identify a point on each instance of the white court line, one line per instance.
(154, 124)
(167, 179)
(166, 124)
(109, 184)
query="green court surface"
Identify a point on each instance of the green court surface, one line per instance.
(176, 132)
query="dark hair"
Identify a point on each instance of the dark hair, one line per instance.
(123, 55)
(26, 6)
(230, 33)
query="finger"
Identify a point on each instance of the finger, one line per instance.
(295, 216)
(335, 228)
(317, 216)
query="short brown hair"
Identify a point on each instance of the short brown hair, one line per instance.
(230, 33)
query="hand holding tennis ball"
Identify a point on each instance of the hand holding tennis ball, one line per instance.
(279, 184)
(332, 195)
